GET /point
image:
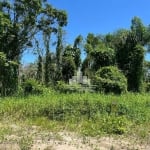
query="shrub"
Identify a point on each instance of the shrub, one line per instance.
(110, 80)
(147, 87)
(103, 57)
(66, 88)
(115, 125)
(31, 86)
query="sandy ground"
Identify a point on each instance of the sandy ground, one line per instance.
(36, 139)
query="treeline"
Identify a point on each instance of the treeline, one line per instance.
(114, 62)
(20, 23)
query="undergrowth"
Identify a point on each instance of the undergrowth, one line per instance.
(87, 113)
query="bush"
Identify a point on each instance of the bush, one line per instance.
(66, 88)
(110, 80)
(31, 86)
(115, 125)
(103, 57)
(147, 87)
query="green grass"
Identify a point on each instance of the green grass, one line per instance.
(87, 113)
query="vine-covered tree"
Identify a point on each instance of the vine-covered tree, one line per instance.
(77, 51)
(130, 53)
(100, 55)
(59, 47)
(68, 68)
(21, 20)
(47, 68)
(39, 74)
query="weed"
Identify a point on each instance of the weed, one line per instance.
(87, 113)
(25, 143)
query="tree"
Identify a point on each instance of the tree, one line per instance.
(47, 68)
(85, 68)
(8, 67)
(102, 56)
(39, 69)
(74, 51)
(110, 79)
(92, 42)
(77, 51)
(29, 71)
(135, 75)
(139, 30)
(7, 75)
(68, 68)
(146, 71)
(21, 21)
(130, 57)
(59, 47)
(59, 53)
(2, 77)
(98, 53)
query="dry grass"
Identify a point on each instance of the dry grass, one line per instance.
(23, 137)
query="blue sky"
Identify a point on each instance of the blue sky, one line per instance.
(98, 16)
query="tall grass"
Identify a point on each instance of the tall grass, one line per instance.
(89, 113)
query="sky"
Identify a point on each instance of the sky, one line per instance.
(98, 17)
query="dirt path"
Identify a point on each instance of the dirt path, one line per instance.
(14, 137)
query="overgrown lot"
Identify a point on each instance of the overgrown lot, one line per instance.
(87, 113)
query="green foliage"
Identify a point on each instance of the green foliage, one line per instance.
(102, 57)
(73, 52)
(135, 75)
(39, 75)
(116, 125)
(25, 143)
(31, 86)
(110, 79)
(29, 71)
(130, 53)
(47, 67)
(59, 47)
(98, 54)
(130, 59)
(8, 76)
(2, 59)
(65, 88)
(147, 87)
(139, 30)
(68, 68)
(8, 67)
(77, 51)
(89, 114)
(20, 22)
(125, 48)
(74, 88)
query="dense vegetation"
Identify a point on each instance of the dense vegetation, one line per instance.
(89, 114)
(117, 103)
(20, 23)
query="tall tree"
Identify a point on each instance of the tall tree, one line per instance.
(27, 18)
(99, 53)
(130, 53)
(59, 47)
(77, 51)
(68, 68)
(135, 75)
(47, 35)
(39, 69)
(47, 68)
(139, 30)
(7, 75)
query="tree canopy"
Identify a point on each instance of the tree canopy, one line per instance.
(27, 24)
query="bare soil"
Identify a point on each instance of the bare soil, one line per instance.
(25, 138)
